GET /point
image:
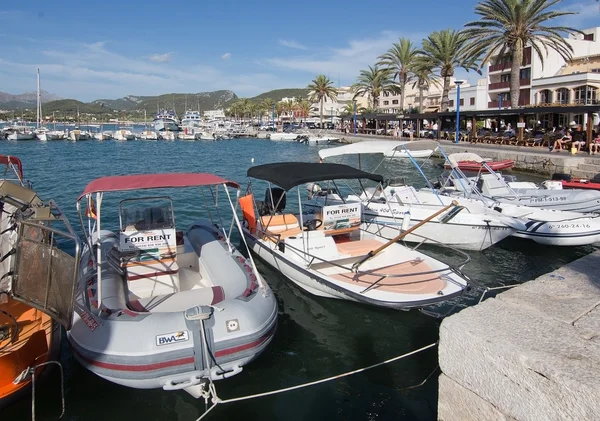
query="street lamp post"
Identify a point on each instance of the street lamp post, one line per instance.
(331, 115)
(456, 136)
(354, 120)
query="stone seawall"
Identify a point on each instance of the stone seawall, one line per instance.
(531, 159)
(530, 353)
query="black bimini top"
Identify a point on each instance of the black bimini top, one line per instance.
(291, 174)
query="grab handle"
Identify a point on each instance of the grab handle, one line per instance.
(226, 374)
(182, 384)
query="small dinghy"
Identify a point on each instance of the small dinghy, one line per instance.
(569, 182)
(37, 282)
(162, 308)
(545, 226)
(472, 162)
(550, 196)
(331, 254)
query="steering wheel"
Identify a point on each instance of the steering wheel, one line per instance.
(312, 224)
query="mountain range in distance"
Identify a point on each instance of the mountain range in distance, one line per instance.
(180, 102)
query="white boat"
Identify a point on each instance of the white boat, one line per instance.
(148, 135)
(186, 135)
(45, 135)
(105, 135)
(166, 120)
(549, 196)
(330, 254)
(386, 209)
(20, 133)
(387, 148)
(283, 136)
(77, 135)
(544, 226)
(168, 136)
(123, 135)
(191, 117)
(161, 308)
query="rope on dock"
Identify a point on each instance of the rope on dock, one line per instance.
(216, 400)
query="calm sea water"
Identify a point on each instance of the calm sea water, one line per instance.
(316, 337)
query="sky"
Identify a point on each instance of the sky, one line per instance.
(109, 49)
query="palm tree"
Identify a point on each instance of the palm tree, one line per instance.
(374, 82)
(444, 51)
(349, 109)
(303, 107)
(267, 105)
(320, 89)
(423, 79)
(399, 59)
(505, 27)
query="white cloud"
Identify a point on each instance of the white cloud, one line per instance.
(292, 44)
(344, 62)
(226, 56)
(586, 14)
(161, 58)
(87, 72)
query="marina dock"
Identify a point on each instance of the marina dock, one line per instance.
(530, 159)
(530, 353)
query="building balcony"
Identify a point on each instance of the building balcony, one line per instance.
(506, 85)
(495, 104)
(505, 67)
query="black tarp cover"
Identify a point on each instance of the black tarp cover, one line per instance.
(291, 174)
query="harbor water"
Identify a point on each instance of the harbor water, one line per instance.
(316, 337)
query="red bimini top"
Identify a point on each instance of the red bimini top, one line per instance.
(7, 160)
(153, 181)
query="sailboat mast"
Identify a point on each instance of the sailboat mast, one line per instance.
(39, 101)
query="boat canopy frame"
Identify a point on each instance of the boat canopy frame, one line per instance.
(123, 183)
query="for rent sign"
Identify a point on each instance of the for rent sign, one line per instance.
(152, 244)
(341, 216)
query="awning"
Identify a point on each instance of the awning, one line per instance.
(291, 174)
(432, 109)
(153, 181)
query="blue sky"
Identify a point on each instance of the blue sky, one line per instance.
(90, 49)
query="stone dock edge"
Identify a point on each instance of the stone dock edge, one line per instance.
(530, 353)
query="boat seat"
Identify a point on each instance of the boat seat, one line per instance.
(358, 248)
(282, 225)
(180, 301)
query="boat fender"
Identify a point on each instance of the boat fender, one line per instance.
(199, 313)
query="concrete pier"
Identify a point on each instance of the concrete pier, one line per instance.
(530, 353)
(531, 159)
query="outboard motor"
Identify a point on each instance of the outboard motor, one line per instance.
(274, 201)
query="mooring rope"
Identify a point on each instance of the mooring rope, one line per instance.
(216, 400)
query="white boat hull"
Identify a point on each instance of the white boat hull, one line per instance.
(148, 344)
(21, 136)
(544, 226)
(283, 136)
(317, 283)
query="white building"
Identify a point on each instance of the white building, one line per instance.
(556, 82)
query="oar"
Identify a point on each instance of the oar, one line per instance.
(401, 236)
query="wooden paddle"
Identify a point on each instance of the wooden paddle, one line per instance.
(401, 236)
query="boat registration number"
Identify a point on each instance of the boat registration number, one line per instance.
(559, 226)
(549, 199)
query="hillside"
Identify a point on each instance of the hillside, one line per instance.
(179, 102)
(278, 94)
(24, 101)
